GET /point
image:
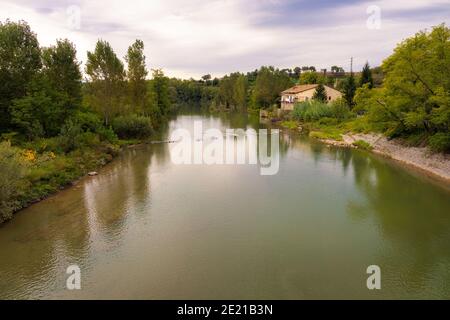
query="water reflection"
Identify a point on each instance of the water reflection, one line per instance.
(145, 228)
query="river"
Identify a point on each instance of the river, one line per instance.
(146, 228)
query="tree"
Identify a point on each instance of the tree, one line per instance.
(309, 68)
(416, 93)
(62, 70)
(160, 104)
(206, 77)
(268, 85)
(106, 73)
(137, 72)
(226, 92)
(366, 76)
(297, 72)
(349, 88)
(42, 111)
(233, 92)
(240, 92)
(320, 94)
(336, 69)
(312, 78)
(53, 95)
(20, 60)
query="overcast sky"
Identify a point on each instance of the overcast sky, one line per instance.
(191, 38)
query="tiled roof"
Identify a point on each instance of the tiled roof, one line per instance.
(299, 88)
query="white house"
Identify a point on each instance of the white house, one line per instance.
(304, 92)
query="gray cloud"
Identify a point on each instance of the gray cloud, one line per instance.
(191, 38)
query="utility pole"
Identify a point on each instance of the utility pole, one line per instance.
(351, 65)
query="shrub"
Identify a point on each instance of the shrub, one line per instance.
(440, 142)
(327, 134)
(289, 124)
(68, 138)
(107, 134)
(340, 110)
(311, 110)
(327, 121)
(88, 121)
(361, 144)
(132, 126)
(12, 182)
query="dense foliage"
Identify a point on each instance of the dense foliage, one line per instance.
(314, 110)
(132, 126)
(415, 97)
(54, 127)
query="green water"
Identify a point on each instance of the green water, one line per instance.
(146, 228)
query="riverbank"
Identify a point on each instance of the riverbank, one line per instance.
(436, 164)
(142, 203)
(356, 133)
(45, 173)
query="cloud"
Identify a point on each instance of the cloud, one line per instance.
(192, 38)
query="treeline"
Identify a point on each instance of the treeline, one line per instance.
(43, 91)
(412, 103)
(55, 125)
(261, 88)
(234, 92)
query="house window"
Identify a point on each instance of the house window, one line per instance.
(329, 98)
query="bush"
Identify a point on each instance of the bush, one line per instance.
(88, 121)
(327, 134)
(132, 126)
(340, 110)
(361, 144)
(440, 142)
(70, 132)
(311, 111)
(12, 182)
(107, 134)
(289, 124)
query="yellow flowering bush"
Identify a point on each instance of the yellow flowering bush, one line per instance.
(29, 155)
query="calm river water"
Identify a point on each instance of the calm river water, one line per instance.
(146, 228)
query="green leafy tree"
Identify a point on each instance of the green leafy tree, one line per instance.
(160, 97)
(106, 74)
(137, 72)
(62, 70)
(336, 69)
(320, 94)
(53, 95)
(297, 72)
(416, 93)
(226, 92)
(418, 81)
(349, 90)
(312, 77)
(41, 112)
(268, 85)
(240, 92)
(20, 60)
(366, 76)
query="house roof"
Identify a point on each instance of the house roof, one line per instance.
(299, 88)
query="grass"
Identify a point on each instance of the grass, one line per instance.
(290, 124)
(49, 175)
(128, 142)
(361, 144)
(46, 171)
(326, 134)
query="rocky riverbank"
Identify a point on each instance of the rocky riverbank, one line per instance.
(436, 164)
